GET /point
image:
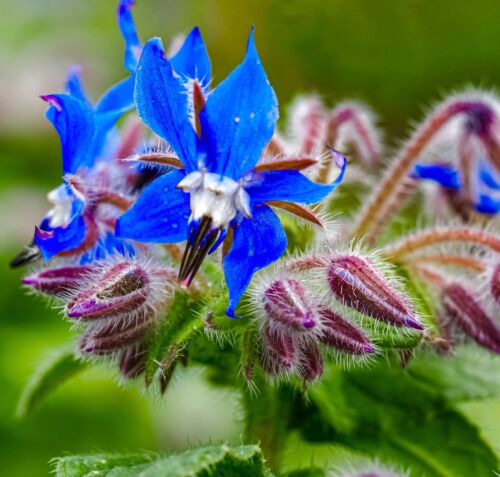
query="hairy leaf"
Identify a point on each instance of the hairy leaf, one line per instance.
(386, 413)
(244, 461)
(62, 366)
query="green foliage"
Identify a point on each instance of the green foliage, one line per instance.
(386, 413)
(220, 461)
(61, 367)
(471, 374)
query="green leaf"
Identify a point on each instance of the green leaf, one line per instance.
(244, 461)
(472, 373)
(309, 472)
(61, 366)
(97, 465)
(387, 414)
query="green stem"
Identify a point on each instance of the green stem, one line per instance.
(267, 414)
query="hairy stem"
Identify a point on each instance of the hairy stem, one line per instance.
(402, 165)
(449, 259)
(428, 238)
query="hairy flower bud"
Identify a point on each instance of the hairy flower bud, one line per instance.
(340, 334)
(311, 362)
(133, 361)
(367, 469)
(466, 312)
(285, 302)
(495, 284)
(280, 352)
(57, 281)
(116, 334)
(121, 288)
(355, 282)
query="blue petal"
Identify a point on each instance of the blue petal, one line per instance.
(488, 205)
(55, 240)
(489, 176)
(107, 246)
(160, 214)
(127, 27)
(290, 186)
(447, 176)
(74, 85)
(163, 104)
(74, 122)
(120, 97)
(257, 242)
(192, 59)
(239, 118)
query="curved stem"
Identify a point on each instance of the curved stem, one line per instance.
(449, 259)
(428, 238)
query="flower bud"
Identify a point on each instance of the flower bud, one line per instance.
(355, 282)
(311, 362)
(466, 312)
(121, 288)
(114, 335)
(133, 361)
(57, 281)
(340, 334)
(495, 284)
(285, 302)
(368, 469)
(279, 351)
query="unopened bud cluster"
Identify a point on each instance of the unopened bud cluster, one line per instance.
(115, 300)
(297, 322)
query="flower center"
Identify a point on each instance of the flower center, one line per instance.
(215, 201)
(216, 197)
(62, 206)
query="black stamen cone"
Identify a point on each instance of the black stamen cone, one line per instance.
(199, 242)
(29, 254)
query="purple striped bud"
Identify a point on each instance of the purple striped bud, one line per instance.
(495, 284)
(355, 282)
(285, 302)
(116, 334)
(466, 312)
(279, 351)
(340, 334)
(311, 363)
(133, 361)
(122, 288)
(57, 281)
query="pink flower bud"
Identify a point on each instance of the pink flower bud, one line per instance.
(466, 312)
(340, 334)
(57, 281)
(311, 363)
(121, 288)
(355, 282)
(495, 284)
(285, 302)
(116, 334)
(279, 351)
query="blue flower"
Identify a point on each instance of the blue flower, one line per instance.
(486, 183)
(219, 194)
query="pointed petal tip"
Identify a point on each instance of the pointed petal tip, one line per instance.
(125, 5)
(52, 100)
(368, 348)
(413, 323)
(27, 281)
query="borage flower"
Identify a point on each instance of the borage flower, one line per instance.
(219, 189)
(486, 186)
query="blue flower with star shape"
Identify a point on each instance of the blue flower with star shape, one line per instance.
(219, 193)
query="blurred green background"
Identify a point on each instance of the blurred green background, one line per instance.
(396, 55)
